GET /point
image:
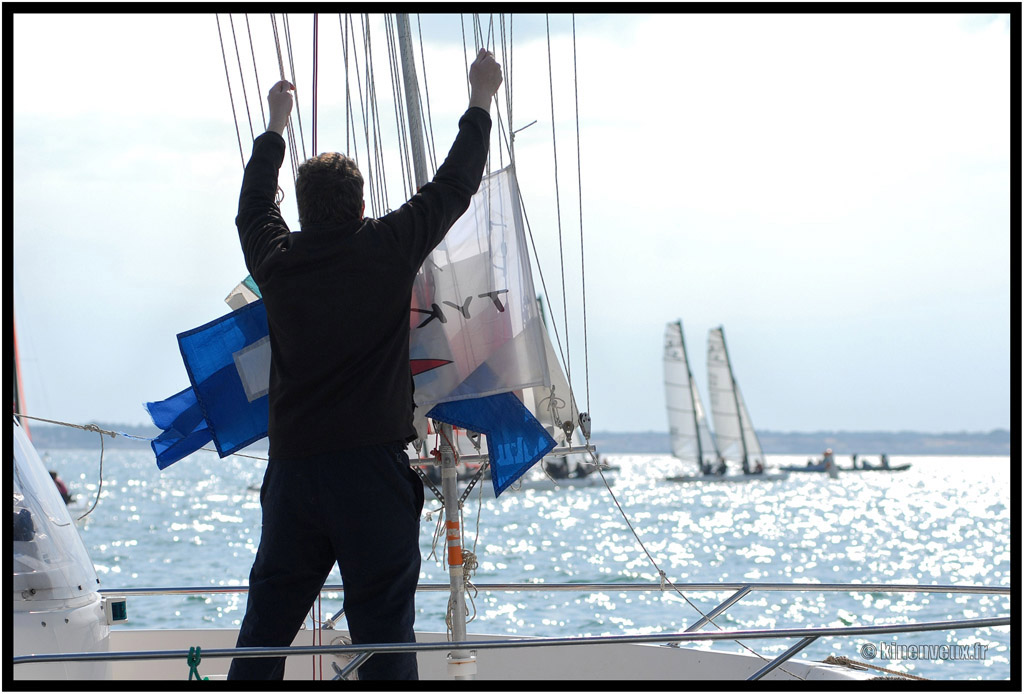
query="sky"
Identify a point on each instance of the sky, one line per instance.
(833, 189)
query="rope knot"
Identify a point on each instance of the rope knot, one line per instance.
(194, 658)
(101, 432)
(469, 563)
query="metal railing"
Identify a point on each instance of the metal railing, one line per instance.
(628, 587)
(360, 652)
(807, 636)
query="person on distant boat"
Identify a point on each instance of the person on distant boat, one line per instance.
(61, 487)
(885, 461)
(338, 301)
(757, 469)
(854, 456)
(720, 466)
(558, 469)
(828, 462)
(581, 470)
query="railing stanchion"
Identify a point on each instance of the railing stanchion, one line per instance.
(792, 651)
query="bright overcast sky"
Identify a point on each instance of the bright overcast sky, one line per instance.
(832, 189)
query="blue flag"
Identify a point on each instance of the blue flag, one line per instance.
(515, 439)
(185, 429)
(228, 363)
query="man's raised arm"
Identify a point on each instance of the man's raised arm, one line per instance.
(261, 229)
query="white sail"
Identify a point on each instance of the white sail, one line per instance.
(734, 431)
(552, 403)
(754, 452)
(689, 434)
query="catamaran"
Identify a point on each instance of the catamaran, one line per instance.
(55, 581)
(689, 435)
(735, 436)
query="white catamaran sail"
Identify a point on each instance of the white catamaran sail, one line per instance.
(688, 429)
(734, 431)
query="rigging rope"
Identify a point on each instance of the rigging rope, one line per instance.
(558, 213)
(374, 116)
(231, 96)
(664, 577)
(259, 91)
(465, 55)
(113, 434)
(86, 427)
(349, 41)
(241, 76)
(583, 265)
(394, 63)
(290, 130)
(847, 662)
(316, 56)
(425, 111)
(291, 67)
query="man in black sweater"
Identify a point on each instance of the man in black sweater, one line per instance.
(338, 485)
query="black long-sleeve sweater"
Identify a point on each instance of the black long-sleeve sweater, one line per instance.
(338, 300)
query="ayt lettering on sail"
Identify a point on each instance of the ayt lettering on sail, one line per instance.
(463, 308)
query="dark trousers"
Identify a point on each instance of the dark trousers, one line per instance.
(360, 507)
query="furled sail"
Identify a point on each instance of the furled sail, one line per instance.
(474, 316)
(689, 434)
(734, 431)
(477, 338)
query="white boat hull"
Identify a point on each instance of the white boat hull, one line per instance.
(73, 630)
(582, 662)
(764, 477)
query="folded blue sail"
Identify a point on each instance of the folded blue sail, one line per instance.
(228, 363)
(515, 439)
(185, 429)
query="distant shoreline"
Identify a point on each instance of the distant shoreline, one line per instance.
(843, 443)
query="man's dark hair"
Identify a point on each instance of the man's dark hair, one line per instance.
(329, 188)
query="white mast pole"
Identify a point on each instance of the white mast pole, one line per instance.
(461, 664)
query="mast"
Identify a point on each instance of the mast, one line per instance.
(736, 399)
(693, 401)
(461, 663)
(412, 100)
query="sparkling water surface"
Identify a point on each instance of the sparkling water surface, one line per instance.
(944, 521)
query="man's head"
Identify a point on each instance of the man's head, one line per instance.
(329, 189)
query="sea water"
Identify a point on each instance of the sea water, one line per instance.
(944, 521)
